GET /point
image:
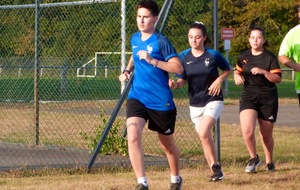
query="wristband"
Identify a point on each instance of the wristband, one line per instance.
(126, 71)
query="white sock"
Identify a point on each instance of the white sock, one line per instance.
(175, 179)
(143, 180)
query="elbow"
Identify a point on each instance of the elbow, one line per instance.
(278, 81)
(179, 70)
(284, 63)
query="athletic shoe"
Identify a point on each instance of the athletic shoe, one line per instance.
(141, 187)
(270, 167)
(217, 173)
(176, 186)
(253, 164)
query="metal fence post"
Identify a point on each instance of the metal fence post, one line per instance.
(37, 70)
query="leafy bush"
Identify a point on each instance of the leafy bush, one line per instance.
(114, 143)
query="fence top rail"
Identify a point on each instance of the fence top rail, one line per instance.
(110, 52)
(86, 2)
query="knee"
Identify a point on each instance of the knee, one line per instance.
(267, 139)
(204, 137)
(132, 139)
(248, 134)
(170, 149)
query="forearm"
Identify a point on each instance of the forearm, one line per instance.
(178, 84)
(289, 63)
(272, 77)
(224, 75)
(172, 66)
(129, 66)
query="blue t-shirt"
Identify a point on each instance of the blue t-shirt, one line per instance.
(200, 72)
(150, 84)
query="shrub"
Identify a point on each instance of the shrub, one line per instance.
(115, 142)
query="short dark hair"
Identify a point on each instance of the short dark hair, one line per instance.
(150, 5)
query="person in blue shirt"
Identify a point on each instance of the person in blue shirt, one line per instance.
(201, 65)
(150, 99)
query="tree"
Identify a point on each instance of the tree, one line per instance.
(274, 16)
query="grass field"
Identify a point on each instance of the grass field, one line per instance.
(233, 151)
(52, 89)
(233, 158)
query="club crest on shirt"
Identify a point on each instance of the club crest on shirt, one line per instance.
(245, 61)
(206, 62)
(149, 49)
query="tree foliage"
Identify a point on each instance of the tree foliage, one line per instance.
(276, 17)
(79, 31)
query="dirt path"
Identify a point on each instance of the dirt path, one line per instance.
(288, 115)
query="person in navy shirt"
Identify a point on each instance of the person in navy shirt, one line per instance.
(201, 65)
(150, 99)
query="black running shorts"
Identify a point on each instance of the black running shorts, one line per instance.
(162, 122)
(265, 105)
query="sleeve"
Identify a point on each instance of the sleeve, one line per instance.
(239, 65)
(222, 63)
(285, 47)
(167, 49)
(275, 66)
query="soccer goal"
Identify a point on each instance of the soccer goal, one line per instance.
(102, 60)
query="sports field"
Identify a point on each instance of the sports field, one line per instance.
(195, 174)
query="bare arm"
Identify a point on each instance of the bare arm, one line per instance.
(126, 73)
(178, 84)
(215, 87)
(172, 66)
(288, 62)
(238, 78)
(272, 77)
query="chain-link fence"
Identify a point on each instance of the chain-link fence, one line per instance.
(59, 68)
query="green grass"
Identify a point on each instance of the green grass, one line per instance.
(286, 89)
(53, 89)
(195, 174)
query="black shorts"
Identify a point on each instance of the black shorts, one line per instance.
(160, 121)
(265, 105)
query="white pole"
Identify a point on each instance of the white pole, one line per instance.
(123, 43)
(105, 71)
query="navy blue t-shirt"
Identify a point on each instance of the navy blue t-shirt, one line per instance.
(200, 72)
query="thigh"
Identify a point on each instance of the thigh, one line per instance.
(248, 119)
(266, 128)
(167, 141)
(135, 126)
